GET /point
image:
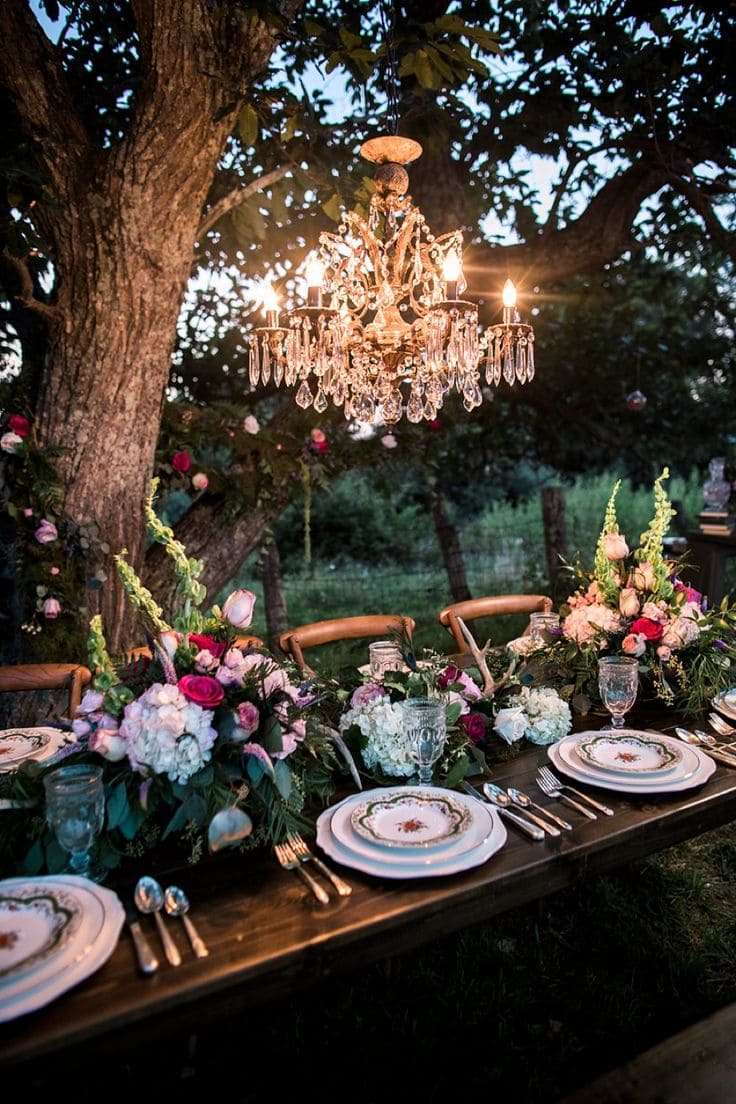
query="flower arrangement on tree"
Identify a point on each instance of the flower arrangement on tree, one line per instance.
(202, 738)
(633, 603)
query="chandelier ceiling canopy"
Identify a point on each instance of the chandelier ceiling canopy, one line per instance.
(384, 331)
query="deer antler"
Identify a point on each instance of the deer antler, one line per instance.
(490, 685)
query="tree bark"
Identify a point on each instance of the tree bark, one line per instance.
(274, 595)
(555, 537)
(452, 553)
(122, 225)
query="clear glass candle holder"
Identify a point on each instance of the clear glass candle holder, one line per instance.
(384, 655)
(540, 625)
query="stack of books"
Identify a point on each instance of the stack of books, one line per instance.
(718, 523)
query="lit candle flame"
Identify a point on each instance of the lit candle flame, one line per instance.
(270, 298)
(509, 294)
(315, 271)
(452, 267)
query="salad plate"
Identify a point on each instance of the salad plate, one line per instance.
(695, 769)
(628, 752)
(411, 818)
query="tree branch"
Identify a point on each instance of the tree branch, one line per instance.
(704, 207)
(237, 196)
(26, 294)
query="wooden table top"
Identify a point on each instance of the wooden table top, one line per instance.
(268, 937)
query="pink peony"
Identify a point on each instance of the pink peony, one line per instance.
(628, 602)
(615, 546)
(181, 462)
(200, 482)
(238, 608)
(371, 691)
(248, 717)
(18, 424)
(202, 690)
(51, 608)
(46, 532)
(634, 644)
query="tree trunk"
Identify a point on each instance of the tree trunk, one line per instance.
(555, 538)
(452, 553)
(274, 596)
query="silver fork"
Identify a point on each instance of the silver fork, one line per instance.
(289, 861)
(551, 785)
(303, 853)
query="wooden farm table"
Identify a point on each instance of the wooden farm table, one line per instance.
(268, 937)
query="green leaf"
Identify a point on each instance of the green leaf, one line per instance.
(118, 806)
(314, 30)
(282, 779)
(248, 125)
(426, 73)
(452, 712)
(288, 129)
(458, 772)
(272, 738)
(333, 207)
(349, 40)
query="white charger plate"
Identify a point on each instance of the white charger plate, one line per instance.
(561, 756)
(84, 954)
(391, 865)
(481, 827)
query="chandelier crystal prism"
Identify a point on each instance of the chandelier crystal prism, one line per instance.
(384, 332)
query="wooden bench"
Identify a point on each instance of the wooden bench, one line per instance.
(696, 1066)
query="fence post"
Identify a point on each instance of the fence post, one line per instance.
(555, 538)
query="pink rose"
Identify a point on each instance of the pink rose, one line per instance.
(108, 743)
(470, 691)
(208, 644)
(615, 546)
(180, 462)
(9, 442)
(628, 603)
(200, 482)
(202, 690)
(51, 608)
(634, 644)
(169, 641)
(642, 577)
(46, 532)
(54, 570)
(251, 425)
(18, 424)
(474, 726)
(650, 630)
(317, 436)
(248, 717)
(664, 653)
(238, 608)
(371, 691)
(389, 441)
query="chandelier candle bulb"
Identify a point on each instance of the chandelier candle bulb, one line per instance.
(271, 308)
(315, 276)
(451, 270)
(510, 313)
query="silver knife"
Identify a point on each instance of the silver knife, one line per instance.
(591, 801)
(520, 822)
(147, 960)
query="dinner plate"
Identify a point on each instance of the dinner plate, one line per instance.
(411, 819)
(393, 864)
(482, 824)
(690, 764)
(17, 745)
(84, 954)
(726, 703)
(35, 922)
(629, 752)
(561, 756)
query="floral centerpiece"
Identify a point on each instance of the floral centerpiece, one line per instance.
(203, 740)
(634, 603)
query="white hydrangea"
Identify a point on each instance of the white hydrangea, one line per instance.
(167, 733)
(539, 713)
(382, 723)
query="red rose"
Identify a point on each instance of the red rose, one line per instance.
(652, 630)
(320, 447)
(202, 689)
(180, 462)
(18, 424)
(474, 726)
(216, 648)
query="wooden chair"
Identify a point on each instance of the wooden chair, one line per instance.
(293, 641)
(490, 606)
(47, 676)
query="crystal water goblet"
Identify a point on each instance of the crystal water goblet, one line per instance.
(75, 808)
(426, 729)
(618, 682)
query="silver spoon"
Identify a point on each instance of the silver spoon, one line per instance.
(688, 737)
(723, 728)
(149, 899)
(522, 799)
(176, 903)
(501, 798)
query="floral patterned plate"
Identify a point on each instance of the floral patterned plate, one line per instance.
(17, 744)
(410, 818)
(628, 752)
(35, 922)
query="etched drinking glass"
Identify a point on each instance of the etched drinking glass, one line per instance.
(426, 729)
(75, 808)
(384, 656)
(618, 682)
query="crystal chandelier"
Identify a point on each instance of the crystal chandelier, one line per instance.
(384, 332)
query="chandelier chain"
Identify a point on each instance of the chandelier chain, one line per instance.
(388, 23)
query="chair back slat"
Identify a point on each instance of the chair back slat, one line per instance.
(293, 641)
(492, 605)
(47, 676)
